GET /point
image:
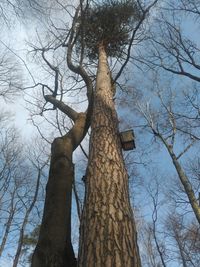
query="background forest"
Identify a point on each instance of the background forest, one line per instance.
(157, 95)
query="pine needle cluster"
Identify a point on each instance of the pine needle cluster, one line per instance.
(110, 23)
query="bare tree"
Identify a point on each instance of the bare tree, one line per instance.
(12, 173)
(39, 163)
(54, 244)
(186, 237)
(171, 46)
(170, 127)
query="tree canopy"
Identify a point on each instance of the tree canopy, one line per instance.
(109, 22)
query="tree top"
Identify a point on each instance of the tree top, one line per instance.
(108, 22)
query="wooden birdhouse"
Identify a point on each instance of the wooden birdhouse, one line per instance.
(127, 140)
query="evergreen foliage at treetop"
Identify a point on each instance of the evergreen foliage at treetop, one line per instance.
(109, 23)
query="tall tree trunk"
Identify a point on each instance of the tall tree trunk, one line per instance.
(54, 248)
(108, 235)
(51, 248)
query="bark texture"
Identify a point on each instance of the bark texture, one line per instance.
(108, 235)
(54, 248)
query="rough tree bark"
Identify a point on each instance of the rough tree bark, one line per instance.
(108, 235)
(54, 247)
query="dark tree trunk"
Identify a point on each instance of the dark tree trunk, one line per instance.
(108, 235)
(54, 248)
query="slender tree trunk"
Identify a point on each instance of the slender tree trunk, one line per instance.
(158, 246)
(181, 251)
(184, 180)
(188, 187)
(20, 240)
(108, 235)
(26, 218)
(7, 226)
(54, 248)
